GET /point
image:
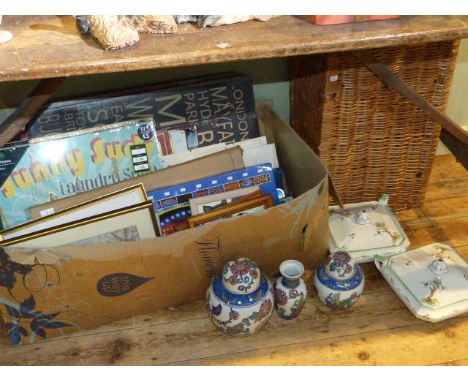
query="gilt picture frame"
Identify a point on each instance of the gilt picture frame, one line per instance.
(139, 221)
(204, 204)
(234, 209)
(117, 200)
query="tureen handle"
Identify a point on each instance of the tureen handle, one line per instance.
(384, 199)
(379, 262)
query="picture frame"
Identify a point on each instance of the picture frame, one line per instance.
(250, 205)
(213, 201)
(126, 197)
(103, 228)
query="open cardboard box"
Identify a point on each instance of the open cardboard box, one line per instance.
(49, 292)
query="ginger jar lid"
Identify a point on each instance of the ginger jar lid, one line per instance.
(340, 266)
(339, 272)
(432, 281)
(241, 276)
(365, 230)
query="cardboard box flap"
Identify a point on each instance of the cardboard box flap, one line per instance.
(303, 169)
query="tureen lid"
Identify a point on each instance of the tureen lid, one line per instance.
(432, 281)
(366, 229)
(241, 276)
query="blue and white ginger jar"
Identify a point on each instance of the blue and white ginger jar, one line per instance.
(339, 281)
(240, 298)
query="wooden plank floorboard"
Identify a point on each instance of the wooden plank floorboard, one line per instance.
(447, 189)
(395, 346)
(458, 362)
(448, 231)
(197, 338)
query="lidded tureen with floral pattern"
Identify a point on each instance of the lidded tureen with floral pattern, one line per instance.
(339, 281)
(240, 298)
(366, 229)
(432, 281)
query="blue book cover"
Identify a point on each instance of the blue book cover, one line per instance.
(63, 165)
(175, 199)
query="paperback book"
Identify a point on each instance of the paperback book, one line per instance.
(64, 165)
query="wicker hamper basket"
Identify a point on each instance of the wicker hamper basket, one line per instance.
(372, 139)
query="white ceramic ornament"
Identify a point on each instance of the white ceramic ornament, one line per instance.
(432, 281)
(339, 281)
(240, 298)
(366, 229)
(290, 290)
(5, 36)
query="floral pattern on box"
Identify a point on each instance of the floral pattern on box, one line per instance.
(22, 319)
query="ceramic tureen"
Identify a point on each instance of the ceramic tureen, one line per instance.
(240, 298)
(339, 281)
(366, 229)
(432, 281)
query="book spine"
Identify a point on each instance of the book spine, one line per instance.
(227, 100)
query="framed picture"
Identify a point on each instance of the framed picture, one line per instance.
(124, 198)
(125, 224)
(208, 203)
(248, 206)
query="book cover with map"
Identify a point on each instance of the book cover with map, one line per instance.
(63, 165)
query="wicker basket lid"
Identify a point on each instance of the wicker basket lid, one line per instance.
(366, 229)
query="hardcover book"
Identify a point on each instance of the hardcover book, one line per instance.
(63, 165)
(222, 109)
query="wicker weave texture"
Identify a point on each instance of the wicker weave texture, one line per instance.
(373, 140)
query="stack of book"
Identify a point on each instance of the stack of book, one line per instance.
(138, 164)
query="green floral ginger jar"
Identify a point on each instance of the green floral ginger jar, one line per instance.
(339, 281)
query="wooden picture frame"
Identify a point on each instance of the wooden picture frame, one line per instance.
(126, 197)
(265, 201)
(97, 229)
(197, 204)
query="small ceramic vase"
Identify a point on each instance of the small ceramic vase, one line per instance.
(240, 298)
(339, 281)
(290, 290)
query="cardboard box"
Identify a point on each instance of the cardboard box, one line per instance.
(227, 160)
(65, 289)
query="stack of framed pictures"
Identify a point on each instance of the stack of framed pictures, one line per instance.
(125, 215)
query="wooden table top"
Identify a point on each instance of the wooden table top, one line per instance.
(378, 330)
(50, 46)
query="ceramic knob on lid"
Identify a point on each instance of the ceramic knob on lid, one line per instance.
(241, 276)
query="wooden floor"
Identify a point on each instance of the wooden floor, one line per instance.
(379, 330)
